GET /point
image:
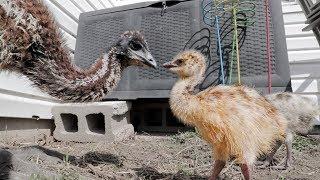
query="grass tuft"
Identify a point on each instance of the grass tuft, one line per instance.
(302, 143)
(183, 137)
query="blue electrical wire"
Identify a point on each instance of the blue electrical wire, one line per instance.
(210, 21)
(210, 11)
(220, 49)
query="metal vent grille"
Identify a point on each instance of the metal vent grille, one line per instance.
(166, 36)
(254, 56)
(98, 37)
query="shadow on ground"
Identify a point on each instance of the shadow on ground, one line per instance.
(151, 173)
(94, 158)
(5, 164)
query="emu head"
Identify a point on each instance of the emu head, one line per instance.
(187, 64)
(133, 50)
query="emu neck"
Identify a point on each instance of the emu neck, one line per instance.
(33, 46)
(104, 76)
(186, 85)
(94, 83)
(183, 100)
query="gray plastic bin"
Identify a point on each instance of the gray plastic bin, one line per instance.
(169, 34)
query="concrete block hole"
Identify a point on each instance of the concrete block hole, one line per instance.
(155, 116)
(70, 122)
(96, 123)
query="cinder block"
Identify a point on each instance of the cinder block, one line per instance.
(92, 122)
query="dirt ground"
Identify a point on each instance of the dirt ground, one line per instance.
(182, 156)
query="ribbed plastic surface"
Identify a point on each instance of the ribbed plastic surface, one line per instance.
(98, 36)
(253, 54)
(253, 50)
(167, 35)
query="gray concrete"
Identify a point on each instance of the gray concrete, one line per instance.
(92, 122)
(24, 130)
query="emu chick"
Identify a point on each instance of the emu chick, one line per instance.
(235, 120)
(299, 112)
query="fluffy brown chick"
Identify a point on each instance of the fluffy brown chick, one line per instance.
(235, 120)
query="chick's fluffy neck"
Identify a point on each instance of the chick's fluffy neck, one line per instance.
(188, 84)
(183, 98)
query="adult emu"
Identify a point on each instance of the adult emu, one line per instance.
(31, 44)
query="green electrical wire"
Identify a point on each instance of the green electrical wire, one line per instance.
(235, 41)
(236, 7)
(232, 59)
(250, 11)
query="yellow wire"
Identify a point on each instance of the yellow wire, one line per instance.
(237, 43)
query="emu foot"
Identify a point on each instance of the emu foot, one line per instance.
(265, 164)
(284, 165)
(279, 167)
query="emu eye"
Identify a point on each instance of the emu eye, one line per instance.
(179, 61)
(135, 46)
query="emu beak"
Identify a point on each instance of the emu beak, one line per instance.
(150, 61)
(145, 58)
(169, 65)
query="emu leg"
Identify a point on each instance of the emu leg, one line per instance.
(217, 168)
(288, 158)
(246, 171)
(289, 154)
(269, 159)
